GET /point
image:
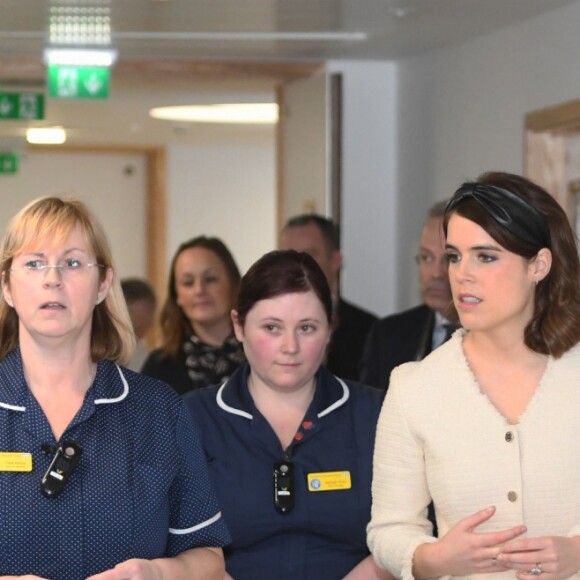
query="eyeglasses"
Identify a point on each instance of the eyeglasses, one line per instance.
(69, 267)
(429, 260)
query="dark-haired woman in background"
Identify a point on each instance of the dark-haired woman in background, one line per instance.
(487, 425)
(199, 347)
(289, 444)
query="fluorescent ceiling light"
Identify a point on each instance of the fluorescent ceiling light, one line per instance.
(251, 113)
(46, 135)
(246, 36)
(80, 56)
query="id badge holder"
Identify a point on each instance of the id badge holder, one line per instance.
(284, 487)
(59, 471)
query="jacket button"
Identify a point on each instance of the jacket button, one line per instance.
(509, 436)
(512, 496)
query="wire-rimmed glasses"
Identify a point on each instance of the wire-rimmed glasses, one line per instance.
(66, 268)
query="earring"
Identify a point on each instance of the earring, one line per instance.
(99, 300)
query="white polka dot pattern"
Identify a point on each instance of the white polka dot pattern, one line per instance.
(141, 476)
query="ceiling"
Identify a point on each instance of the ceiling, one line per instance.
(175, 51)
(276, 29)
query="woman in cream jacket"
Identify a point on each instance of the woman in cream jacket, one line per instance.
(488, 426)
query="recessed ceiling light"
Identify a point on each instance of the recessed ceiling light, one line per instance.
(46, 135)
(402, 12)
(250, 113)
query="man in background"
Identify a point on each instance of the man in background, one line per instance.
(319, 237)
(142, 305)
(414, 333)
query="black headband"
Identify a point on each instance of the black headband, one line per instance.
(508, 209)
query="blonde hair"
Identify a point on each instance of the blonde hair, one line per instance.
(53, 219)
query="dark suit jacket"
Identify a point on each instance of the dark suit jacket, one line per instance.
(394, 340)
(348, 339)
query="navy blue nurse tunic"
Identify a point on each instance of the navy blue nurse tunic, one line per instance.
(324, 536)
(140, 490)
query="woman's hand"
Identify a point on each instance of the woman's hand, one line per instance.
(463, 550)
(134, 569)
(25, 577)
(193, 564)
(555, 556)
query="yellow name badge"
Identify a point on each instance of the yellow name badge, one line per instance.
(329, 481)
(11, 461)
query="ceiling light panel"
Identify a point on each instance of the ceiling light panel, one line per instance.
(46, 135)
(244, 113)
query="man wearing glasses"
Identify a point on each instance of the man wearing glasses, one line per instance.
(413, 334)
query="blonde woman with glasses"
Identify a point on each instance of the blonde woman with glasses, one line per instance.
(101, 472)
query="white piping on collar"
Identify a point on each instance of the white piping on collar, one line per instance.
(339, 403)
(97, 401)
(121, 396)
(222, 404)
(181, 531)
(12, 407)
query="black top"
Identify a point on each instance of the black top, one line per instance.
(196, 366)
(348, 338)
(394, 340)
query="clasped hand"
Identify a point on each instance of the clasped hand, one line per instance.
(135, 569)
(464, 550)
(557, 557)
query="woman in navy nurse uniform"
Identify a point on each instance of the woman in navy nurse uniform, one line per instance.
(101, 472)
(289, 444)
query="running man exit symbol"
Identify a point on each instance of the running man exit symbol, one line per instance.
(74, 82)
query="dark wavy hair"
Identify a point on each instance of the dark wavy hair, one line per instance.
(555, 324)
(174, 324)
(282, 272)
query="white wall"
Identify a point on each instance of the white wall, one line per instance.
(416, 128)
(415, 191)
(304, 145)
(226, 190)
(369, 205)
(481, 91)
(111, 184)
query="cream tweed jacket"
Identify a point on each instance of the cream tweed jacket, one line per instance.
(439, 437)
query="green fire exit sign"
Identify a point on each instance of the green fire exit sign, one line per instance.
(78, 82)
(21, 106)
(8, 163)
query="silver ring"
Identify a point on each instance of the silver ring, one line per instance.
(537, 569)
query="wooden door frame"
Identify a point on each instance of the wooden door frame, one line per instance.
(545, 150)
(155, 200)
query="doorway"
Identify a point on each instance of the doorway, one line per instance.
(552, 154)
